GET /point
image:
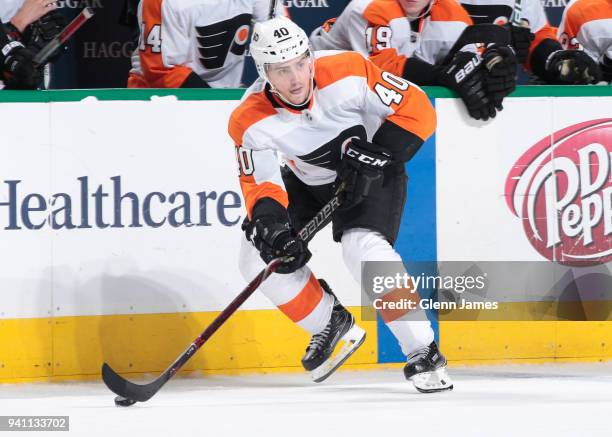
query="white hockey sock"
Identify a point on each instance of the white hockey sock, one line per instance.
(360, 245)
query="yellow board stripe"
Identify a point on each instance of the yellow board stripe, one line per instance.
(76, 346)
(537, 340)
(263, 341)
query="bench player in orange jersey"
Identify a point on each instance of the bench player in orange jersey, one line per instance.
(193, 43)
(412, 38)
(535, 40)
(333, 117)
(587, 25)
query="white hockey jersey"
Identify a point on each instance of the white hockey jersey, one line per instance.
(381, 30)
(208, 37)
(587, 25)
(352, 98)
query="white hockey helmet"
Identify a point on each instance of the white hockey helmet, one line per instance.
(277, 40)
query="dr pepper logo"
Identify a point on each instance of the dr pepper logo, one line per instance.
(561, 189)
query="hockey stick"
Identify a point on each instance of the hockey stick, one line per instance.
(132, 393)
(485, 33)
(517, 14)
(272, 12)
(45, 53)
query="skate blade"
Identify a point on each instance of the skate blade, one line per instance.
(432, 382)
(351, 342)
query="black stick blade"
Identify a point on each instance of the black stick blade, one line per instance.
(122, 387)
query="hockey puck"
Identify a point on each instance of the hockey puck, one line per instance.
(120, 401)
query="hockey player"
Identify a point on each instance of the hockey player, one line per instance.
(193, 44)
(336, 119)
(587, 25)
(535, 41)
(412, 38)
(16, 66)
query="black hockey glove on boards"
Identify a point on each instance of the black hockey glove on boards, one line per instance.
(500, 63)
(465, 75)
(361, 170)
(571, 67)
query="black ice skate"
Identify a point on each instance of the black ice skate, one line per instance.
(426, 368)
(319, 358)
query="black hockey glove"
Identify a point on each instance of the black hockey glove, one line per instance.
(522, 37)
(500, 63)
(361, 171)
(19, 70)
(606, 69)
(571, 67)
(466, 76)
(39, 33)
(274, 238)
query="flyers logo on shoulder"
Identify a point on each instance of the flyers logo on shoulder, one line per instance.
(561, 189)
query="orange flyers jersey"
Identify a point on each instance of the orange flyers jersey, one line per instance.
(380, 29)
(208, 37)
(500, 11)
(587, 24)
(352, 98)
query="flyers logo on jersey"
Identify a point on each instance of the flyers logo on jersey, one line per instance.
(561, 189)
(329, 154)
(216, 40)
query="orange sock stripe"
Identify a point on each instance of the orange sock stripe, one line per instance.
(396, 297)
(305, 302)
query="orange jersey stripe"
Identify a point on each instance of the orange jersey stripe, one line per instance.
(581, 12)
(449, 10)
(305, 302)
(253, 192)
(418, 116)
(155, 73)
(389, 60)
(381, 12)
(135, 80)
(414, 112)
(331, 69)
(254, 108)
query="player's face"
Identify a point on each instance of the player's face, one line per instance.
(292, 79)
(413, 8)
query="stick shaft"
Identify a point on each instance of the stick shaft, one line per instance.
(43, 55)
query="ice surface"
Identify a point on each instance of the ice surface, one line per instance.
(514, 400)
